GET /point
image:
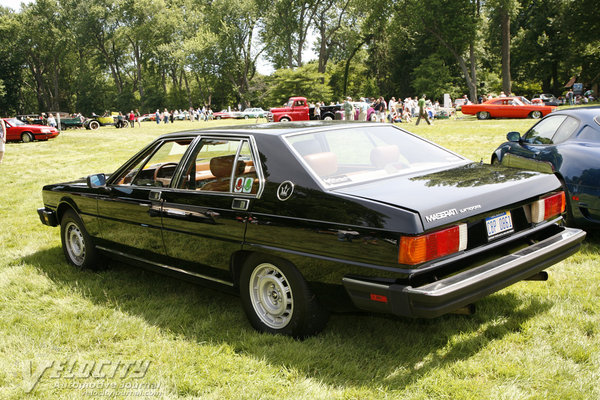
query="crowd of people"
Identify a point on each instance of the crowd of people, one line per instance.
(395, 111)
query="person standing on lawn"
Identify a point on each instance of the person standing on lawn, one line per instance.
(422, 111)
(2, 139)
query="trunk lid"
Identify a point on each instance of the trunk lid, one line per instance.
(452, 195)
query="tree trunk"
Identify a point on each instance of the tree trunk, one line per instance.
(473, 61)
(187, 88)
(506, 80)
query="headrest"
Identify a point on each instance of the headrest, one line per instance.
(221, 166)
(383, 155)
(324, 164)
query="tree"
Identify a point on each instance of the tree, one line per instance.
(504, 11)
(455, 30)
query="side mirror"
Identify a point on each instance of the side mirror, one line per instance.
(513, 137)
(96, 181)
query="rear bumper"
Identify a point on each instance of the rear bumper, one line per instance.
(456, 291)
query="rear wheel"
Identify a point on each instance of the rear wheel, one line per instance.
(328, 117)
(77, 244)
(483, 115)
(277, 299)
(63, 126)
(27, 137)
(94, 125)
(284, 119)
(536, 114)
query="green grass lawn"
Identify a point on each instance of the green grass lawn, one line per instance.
(91, 334)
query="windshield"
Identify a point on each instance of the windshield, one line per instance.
(15, 122)
(365, 153)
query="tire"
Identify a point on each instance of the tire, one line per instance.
(246, 117)
(328, 117)
(536, 114)
(94, 125)
(373, 117)
(483, 115)
(77, 244)
(27, 137)
(218, 117)
(495, 161)
(62, 126)
(284, 119)
(277, 299)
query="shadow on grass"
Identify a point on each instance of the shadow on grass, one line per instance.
(355, 349)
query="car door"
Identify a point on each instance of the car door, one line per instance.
(204, 216)
(130, 210)
(538, 140)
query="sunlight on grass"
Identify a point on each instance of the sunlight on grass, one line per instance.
(532, 340)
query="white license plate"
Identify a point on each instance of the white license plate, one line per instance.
(499, 224)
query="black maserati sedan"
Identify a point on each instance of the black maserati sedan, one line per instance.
(304, 218)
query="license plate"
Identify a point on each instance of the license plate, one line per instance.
(499, 225)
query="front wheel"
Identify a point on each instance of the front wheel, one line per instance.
(26, 137)
(284, 119)
(277, 299)
(94, 125)
(77, 244)
(328, 117)
(536, 114)
(483, 115)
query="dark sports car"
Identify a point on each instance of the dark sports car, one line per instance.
(566, 143)
(304, 218)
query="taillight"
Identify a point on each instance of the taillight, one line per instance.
(419, 249)
(548, 207)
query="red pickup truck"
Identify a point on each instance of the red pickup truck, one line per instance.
(297, 109)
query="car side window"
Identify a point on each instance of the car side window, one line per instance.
(565, 130)
(589, 134)
(222, 165)
(544, 130)
(157, 167)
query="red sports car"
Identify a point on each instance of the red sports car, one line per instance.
(18, 130)
(506, 107)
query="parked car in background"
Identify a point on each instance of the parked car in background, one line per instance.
(506, 107)
(567, 144)
(17, 130)
(72, 121)
(223, 114)
(546, 99)
(95, 122)
(305, 217)
(255, 112)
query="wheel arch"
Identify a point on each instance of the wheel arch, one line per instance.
(65, 205)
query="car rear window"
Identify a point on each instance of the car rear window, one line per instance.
(365, 153)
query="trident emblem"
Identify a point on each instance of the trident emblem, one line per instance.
(285, 190)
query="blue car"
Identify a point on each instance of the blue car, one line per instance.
(567, 144)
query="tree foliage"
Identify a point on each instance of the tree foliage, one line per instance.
(106, 55)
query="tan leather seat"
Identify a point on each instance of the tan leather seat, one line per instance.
(324, 164)
(221, 168)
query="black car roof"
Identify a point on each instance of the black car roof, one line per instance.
(273, 128)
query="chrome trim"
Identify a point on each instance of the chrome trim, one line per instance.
(163, 266)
